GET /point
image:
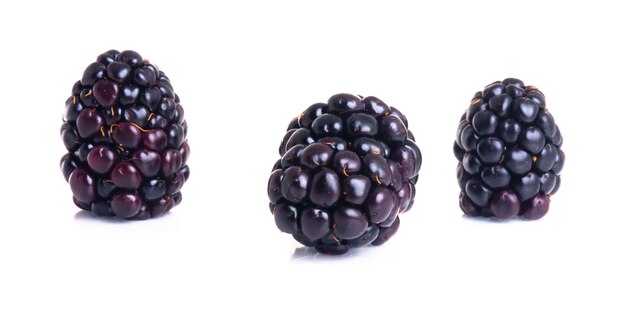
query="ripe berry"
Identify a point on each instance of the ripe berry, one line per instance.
(347, 170)
(509, 152)
(124, 131)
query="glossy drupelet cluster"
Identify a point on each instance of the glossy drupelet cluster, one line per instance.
(509, 152)
(347, 169)
(124, 131)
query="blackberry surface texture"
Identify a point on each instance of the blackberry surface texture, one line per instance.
(347, 170)
(509, 152)
(124, 130)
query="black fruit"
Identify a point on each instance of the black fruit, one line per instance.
(124, 131)
(347, 170)
(509, 152)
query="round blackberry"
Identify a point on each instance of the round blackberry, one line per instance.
(347, 169)
(509, 152)
(124, 130)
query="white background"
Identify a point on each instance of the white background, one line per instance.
(243, 70)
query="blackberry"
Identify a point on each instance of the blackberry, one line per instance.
(347, 169)
(509, 152)
(124, 130)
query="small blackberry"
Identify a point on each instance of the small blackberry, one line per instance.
(124, 131)
(347, 169)
(509, 152)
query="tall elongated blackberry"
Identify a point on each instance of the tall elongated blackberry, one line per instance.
(347, 169)
(509, 152)
(124, 130)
